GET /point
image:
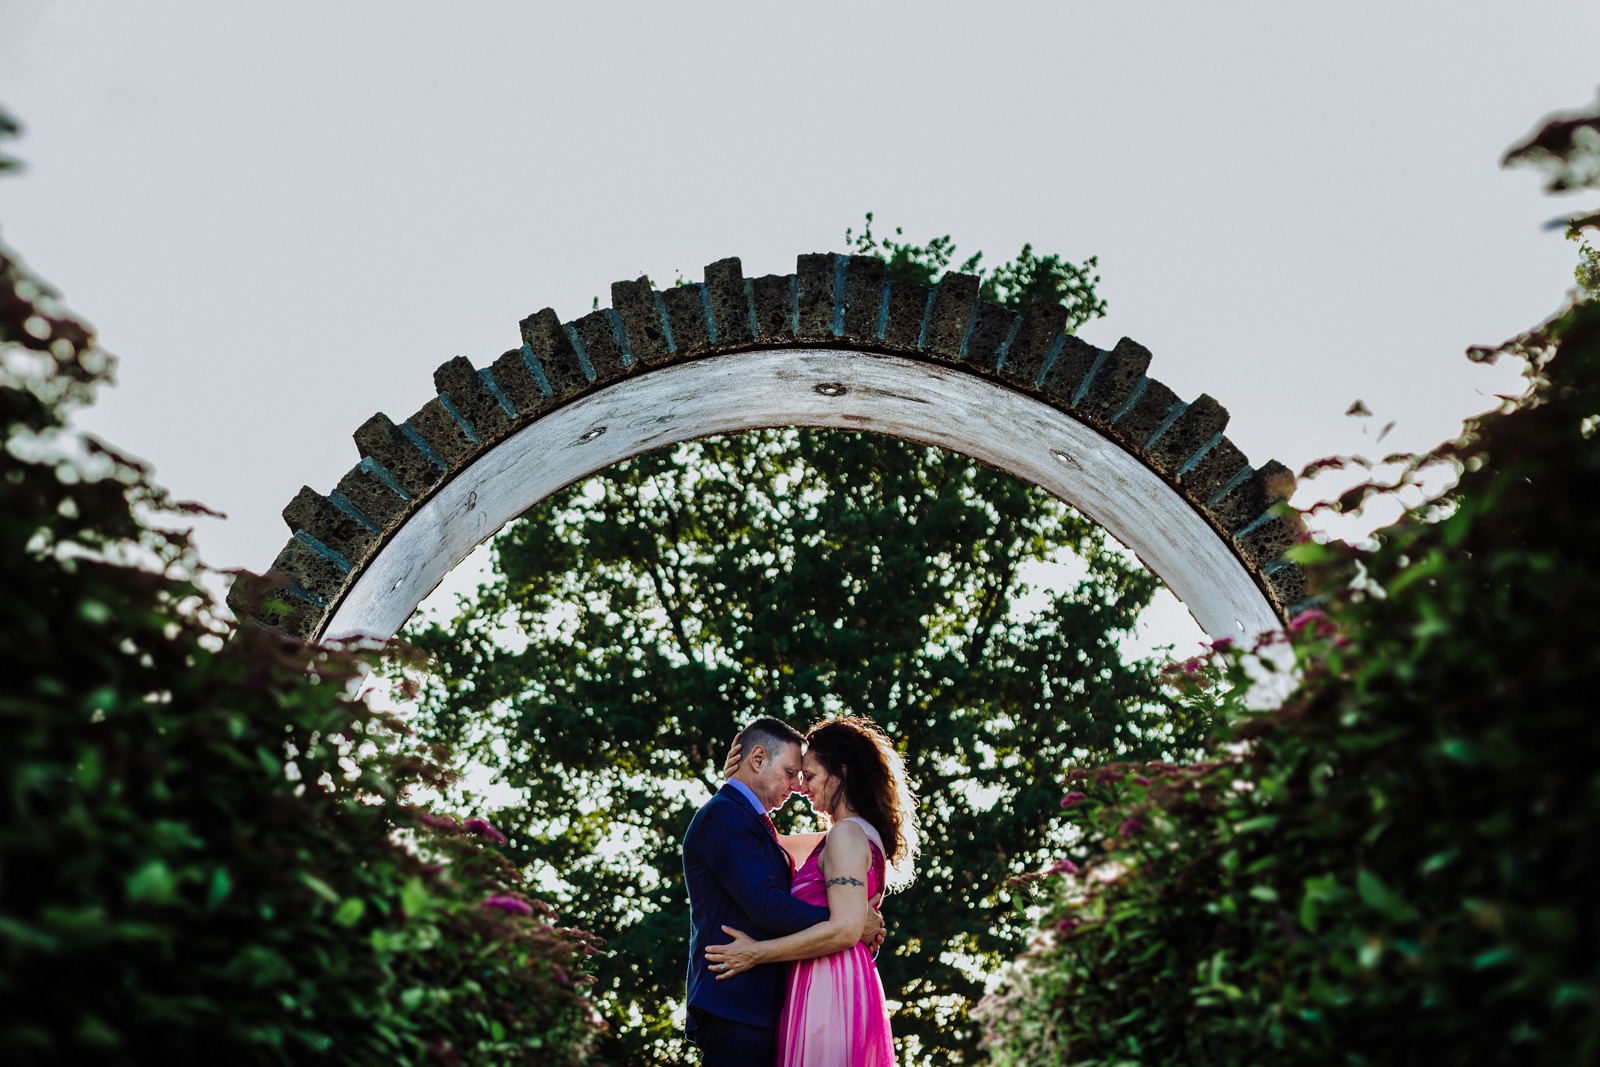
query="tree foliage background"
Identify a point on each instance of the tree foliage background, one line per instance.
(1397, 865)
(205, 851)
(634, 621)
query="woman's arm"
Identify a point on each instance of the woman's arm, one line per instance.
(845, 867)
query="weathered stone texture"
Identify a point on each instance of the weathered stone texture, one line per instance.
(448, 439)
(332, 525)
(953, 305)
(1123, 366)
(730, 307)
(1071, 366)
(1139, 421)
(1037, 333)
(373, 497)
(382, 440)
(600, 344)
(773, 298)
(543, 333)
(686, 314)
(908, 307)
(267, 601)
(1191, 431)
(1249, 499)
(863, 297)
(635, 304)
(309, 570)
(991, 330)
(1289, 586)
(817, 274)
(518, 382)
(1265, 543)
(465, 387)
(1213, 470)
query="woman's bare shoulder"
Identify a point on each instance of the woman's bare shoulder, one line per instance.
(847, 833)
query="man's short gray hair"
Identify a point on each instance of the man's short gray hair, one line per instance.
(774, 735)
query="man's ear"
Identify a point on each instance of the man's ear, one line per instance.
(757, 757)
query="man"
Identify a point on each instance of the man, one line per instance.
(738, 875)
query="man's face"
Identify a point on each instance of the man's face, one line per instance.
(778, 776)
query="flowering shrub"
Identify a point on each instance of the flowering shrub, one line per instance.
(1398, 865)
(204, 857)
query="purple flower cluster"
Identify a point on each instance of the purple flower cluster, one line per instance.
(483, 829)
(513, 905)
(1072, 798)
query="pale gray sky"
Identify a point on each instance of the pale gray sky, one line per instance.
(282, 216)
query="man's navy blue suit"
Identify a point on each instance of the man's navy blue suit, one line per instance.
(738, 875)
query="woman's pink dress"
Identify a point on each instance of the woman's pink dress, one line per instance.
(834, 1014)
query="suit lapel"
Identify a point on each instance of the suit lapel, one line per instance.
(770, 833)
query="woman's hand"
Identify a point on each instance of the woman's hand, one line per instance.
(736, 958)
(735, 757)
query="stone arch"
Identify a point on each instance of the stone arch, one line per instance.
(834, 344)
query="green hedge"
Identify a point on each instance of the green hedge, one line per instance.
(1400, 864)
(205, 852)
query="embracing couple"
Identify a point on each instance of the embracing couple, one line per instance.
(781, 968)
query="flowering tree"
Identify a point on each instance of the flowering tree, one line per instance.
(1397, 865)
(205, 853)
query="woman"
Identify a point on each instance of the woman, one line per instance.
(834, 1013)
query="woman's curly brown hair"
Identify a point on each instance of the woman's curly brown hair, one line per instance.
(854, 750)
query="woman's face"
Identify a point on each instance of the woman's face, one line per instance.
(818, 786)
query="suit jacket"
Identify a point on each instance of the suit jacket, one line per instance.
(738, 875)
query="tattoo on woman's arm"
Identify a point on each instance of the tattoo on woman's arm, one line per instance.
(844, 881)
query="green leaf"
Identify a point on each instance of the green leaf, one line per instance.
(94, 612)
(350, 912)
(319, 887)
(1317, 890)
(1440, 860)
(1310, 912)
(153, 883)
(27, 935)
(1377, 895)
(414, 897)
(221, 886)
(89, 769)
(101, 699)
